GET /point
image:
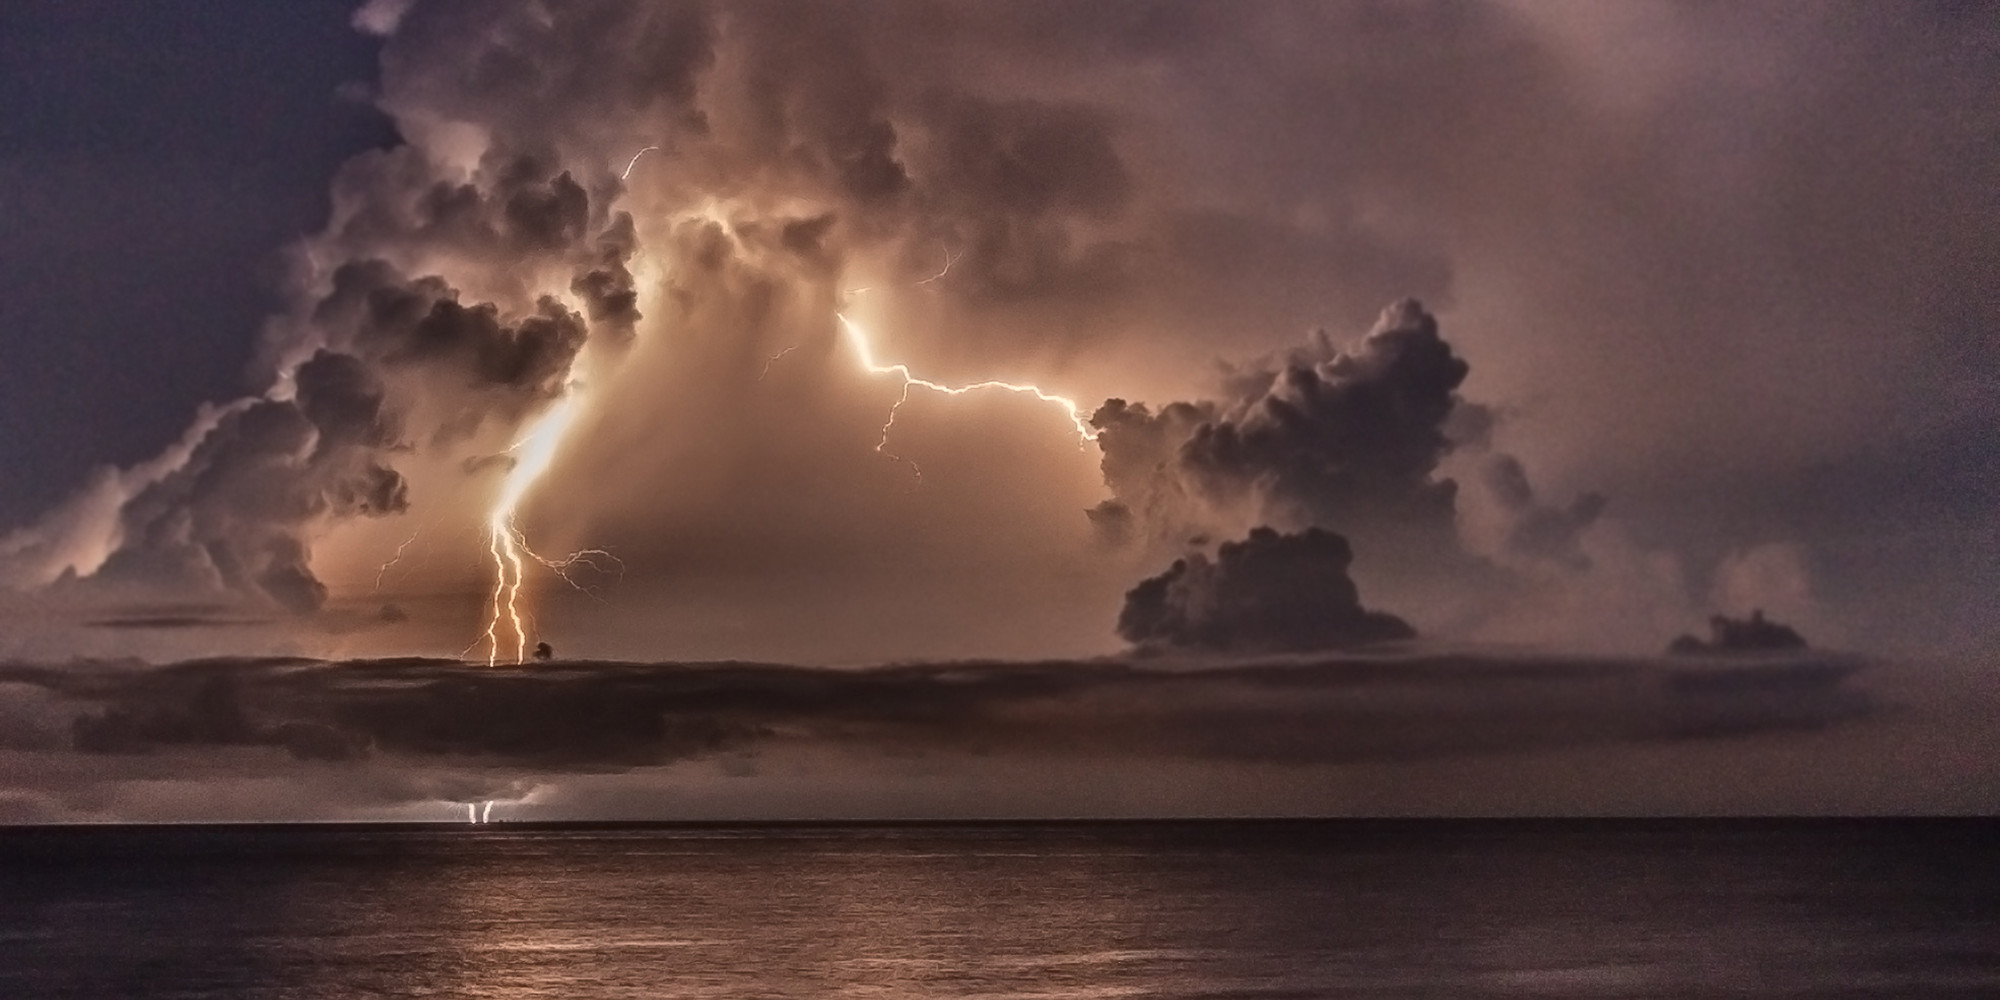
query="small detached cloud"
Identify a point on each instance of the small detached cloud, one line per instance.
(1755, 634)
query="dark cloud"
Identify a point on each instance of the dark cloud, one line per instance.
(235, 515)
(1027, 159)
(611, 299)
(550, 216)
(1019, 191)
(1268, 592)
(1344, 439)
(1755, 634)
(535, 70)
(233, 510)
(174, 622)
(1539, 531)
(421, 322)
(816, 102)
(516, 208)
(531, 353)
(572, 718)
(1340, 435)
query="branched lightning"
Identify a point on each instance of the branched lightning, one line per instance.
(865, 352)
(774, 359)
(949, 259)
(383, 571)
(505, 621)
(858, 339)
(393, 560)
(597, 559)
(509, 547)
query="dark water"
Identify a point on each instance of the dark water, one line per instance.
(1277, 910)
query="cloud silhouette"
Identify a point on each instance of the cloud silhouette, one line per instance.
(1268, 592)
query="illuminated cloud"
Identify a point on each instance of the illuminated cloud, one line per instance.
(1695, 295)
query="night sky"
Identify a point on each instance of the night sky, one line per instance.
(158, 159)
(1453, 333)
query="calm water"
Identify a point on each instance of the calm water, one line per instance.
(1340, 909)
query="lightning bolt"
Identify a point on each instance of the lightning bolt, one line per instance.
(774, 359)
(627, 175)
(509, 548)
(864, 350)
(603, 562)
(949, 259)
(394, 559)
(857, 338)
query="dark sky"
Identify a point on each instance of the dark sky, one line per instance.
(156, 158)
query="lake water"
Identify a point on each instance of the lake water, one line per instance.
(1240, 910)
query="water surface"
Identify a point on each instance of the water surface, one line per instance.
(1241, 910)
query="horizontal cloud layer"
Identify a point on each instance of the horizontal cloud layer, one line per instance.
(486, 731)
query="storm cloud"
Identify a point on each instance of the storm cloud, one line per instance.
(1708, 276)
(1325, 436)
(234, 516)
(1268, 592)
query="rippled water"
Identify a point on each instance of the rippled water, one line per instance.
(1338, 909)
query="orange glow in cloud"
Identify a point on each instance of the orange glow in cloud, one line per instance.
(509, 548)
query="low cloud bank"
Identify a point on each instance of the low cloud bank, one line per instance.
(1755, 634)
(390, 734)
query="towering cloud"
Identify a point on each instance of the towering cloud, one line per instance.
(1321, 436)
(1351, 439)
(374, 362)
(234, 516)
(1101, 201)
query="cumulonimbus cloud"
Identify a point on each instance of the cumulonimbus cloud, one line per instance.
(1112, 188)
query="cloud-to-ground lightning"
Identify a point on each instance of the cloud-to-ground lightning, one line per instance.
(865, 352)
(509, 548)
